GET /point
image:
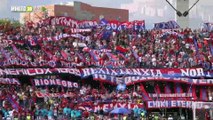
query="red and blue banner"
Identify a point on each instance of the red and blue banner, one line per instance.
(166, 25)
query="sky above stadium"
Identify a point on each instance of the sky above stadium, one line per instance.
(152, 11)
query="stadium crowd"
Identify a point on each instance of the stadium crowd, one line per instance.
(22, 103)
(144, 49)
(128, 49)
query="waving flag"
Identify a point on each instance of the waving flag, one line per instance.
(112, 57)
(208, 26)
(81, 57)
(17, 51)
(196, 44)
(135, 54)
(121, 49)
(14, 104)
(103, 22)
(166, 25)
(64, 54)
(94, 56)
(6, 55)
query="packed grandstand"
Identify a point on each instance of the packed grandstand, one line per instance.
(57, 70)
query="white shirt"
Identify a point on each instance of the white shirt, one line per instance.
(170, 118)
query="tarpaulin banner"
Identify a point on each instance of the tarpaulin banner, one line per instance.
(109, 25)
(171, 95)
(55, 82)
(166, 25)
(118, 26)
(169, 104)
(23, 63)
(110, 106)
(128, 76)
(40, 71)
(9, 81)
(52, 95)
(173, 72)
(75, 30)
(130, 80)
(70, 22)
(178, 104)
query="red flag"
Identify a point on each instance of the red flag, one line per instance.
(121, 49)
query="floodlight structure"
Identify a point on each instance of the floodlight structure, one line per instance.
(177, 11)
(187, 12)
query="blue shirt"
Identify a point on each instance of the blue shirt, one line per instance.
(44, 112)
(66, 110)
(50, 113)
